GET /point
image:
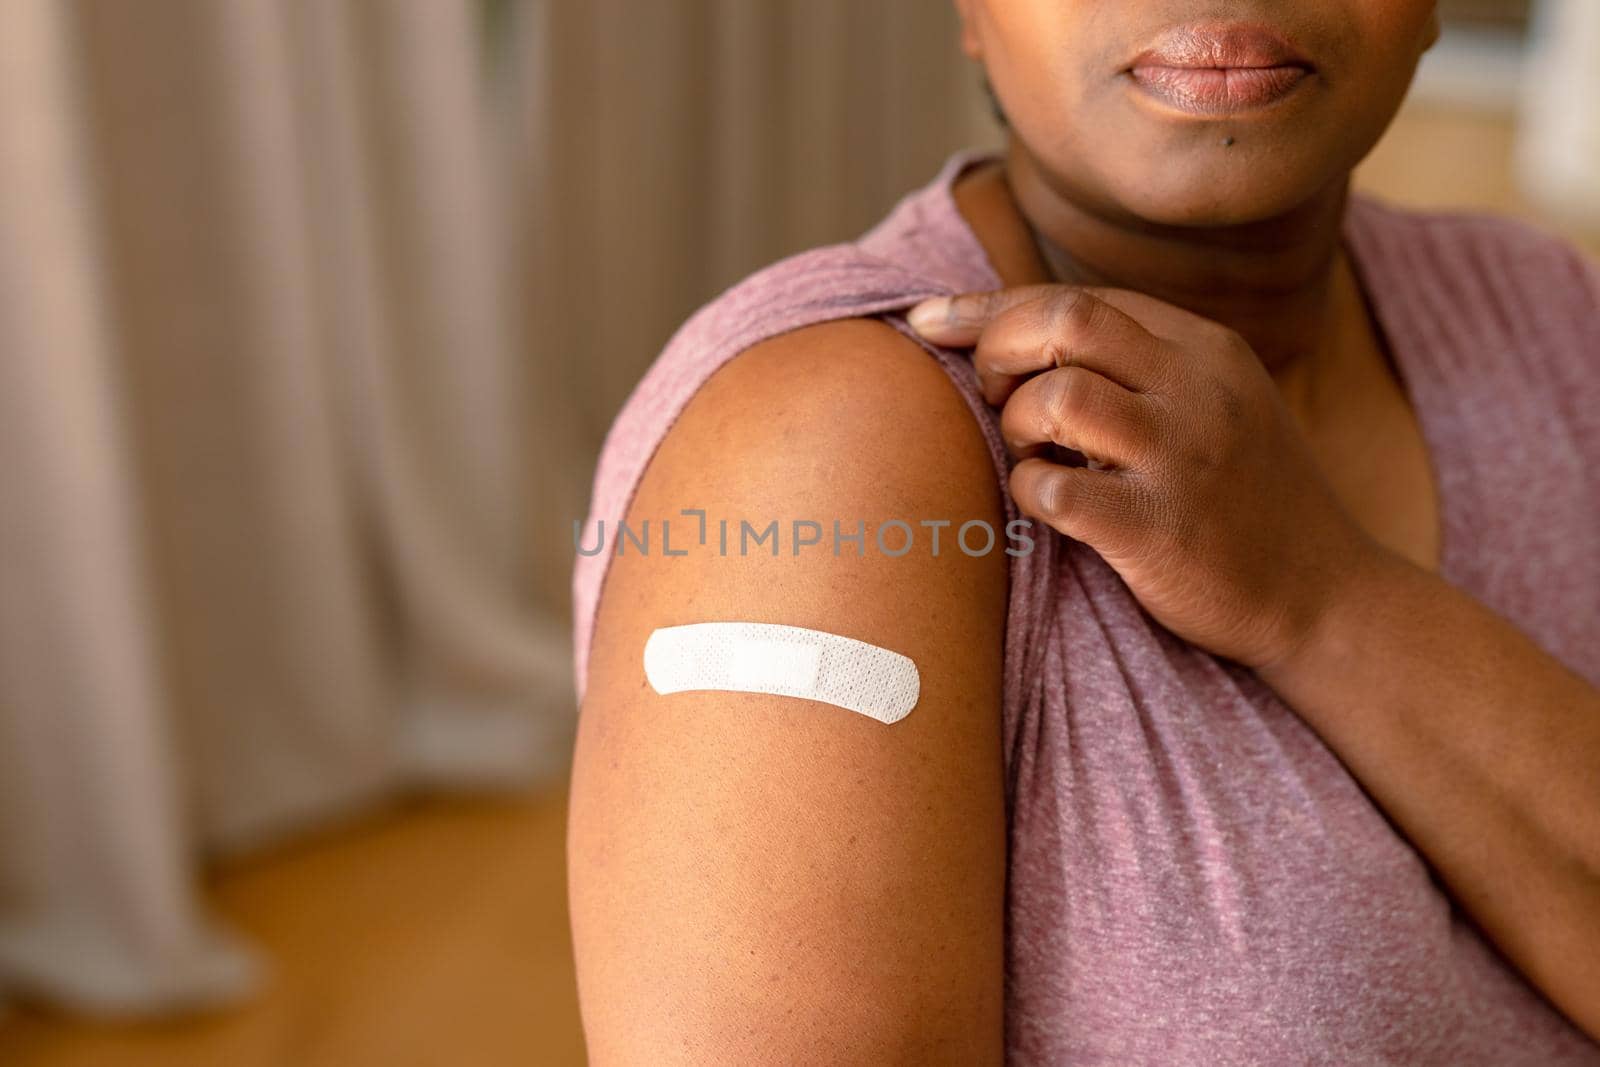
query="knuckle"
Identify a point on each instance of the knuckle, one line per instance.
(1072, 312)
(1077, 505)
(1056, 351)
(1056, 500)
(1069, 398)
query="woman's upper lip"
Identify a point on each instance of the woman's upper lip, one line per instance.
(1230, 46)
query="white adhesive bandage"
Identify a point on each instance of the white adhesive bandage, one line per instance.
(758, 657)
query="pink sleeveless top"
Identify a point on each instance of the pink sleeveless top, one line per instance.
(1193, 877)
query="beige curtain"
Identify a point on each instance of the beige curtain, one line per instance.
(1558, 137)
(262, 496)
(313, 314)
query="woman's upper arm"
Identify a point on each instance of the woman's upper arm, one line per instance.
(765, 879)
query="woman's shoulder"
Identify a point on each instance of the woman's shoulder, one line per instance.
(827, 284)
(814, 336)
(821, 284)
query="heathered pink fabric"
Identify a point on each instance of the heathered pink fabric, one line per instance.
(1194, 878)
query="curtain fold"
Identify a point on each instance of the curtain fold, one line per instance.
(93, 872)
(262, 518)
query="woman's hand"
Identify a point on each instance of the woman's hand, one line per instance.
(1208, 502)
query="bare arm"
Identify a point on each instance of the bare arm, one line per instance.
(763, 879)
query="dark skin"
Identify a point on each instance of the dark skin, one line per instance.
(760, 879)
(1234, 218)
(1344, 394)
(1201, 345)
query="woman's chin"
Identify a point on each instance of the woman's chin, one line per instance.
(1212, 201)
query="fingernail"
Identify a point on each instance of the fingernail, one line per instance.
(930, 314)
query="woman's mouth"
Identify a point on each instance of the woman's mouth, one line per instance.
(1220, 70)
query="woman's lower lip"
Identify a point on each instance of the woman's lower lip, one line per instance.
(1218, 90)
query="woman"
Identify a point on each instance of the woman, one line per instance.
(1281, 745)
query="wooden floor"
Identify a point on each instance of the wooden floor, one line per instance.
(437, 935)
(430, 936)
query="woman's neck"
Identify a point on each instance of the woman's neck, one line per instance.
(1284, 285)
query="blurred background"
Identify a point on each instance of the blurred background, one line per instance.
(313, 316)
